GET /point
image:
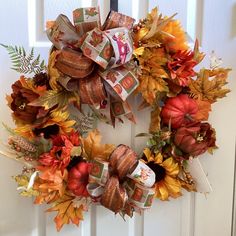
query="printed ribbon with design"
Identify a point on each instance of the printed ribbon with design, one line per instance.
(123, 184)
(95, 60)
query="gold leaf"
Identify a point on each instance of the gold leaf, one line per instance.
(54, 74)
(23, 182)
(93, 149)
(209, 84)
(155, 120)
(204, 107)
(66, 212)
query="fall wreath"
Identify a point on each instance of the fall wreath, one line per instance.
(91, 71)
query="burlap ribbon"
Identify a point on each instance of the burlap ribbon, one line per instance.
(123, 182)
(93, 58)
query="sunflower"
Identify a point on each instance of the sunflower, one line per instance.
(167, 184)
(59, 122)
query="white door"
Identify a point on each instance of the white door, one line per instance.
(214, 23)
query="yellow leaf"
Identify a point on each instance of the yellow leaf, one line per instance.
(52, 71)
(23, 182)
(190, 187)
(155, 120)
(93, 149)
(66, 211)
(150, 86)
(139, 51)
(209, 84)
(152, 63)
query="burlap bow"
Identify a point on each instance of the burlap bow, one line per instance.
(93, 59)
(123, 182)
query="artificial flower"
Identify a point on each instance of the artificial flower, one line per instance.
(20, 98)
(167, 184)
(195, 139)
(181, 67)
(62, 119)
(58, 122)
(58, 158)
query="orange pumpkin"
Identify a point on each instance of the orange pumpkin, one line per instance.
(78, 179)
(179, 111)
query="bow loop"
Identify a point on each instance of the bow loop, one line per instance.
(123, 182)
(93, 60)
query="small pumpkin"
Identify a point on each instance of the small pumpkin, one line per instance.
(179, 111)
(78, 179)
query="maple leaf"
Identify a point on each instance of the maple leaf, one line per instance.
(92, 147)
(50, 185)
(152, 64)
(155, 113)
(209, 84)
(91, 11)
(155, 120)
(204, 107)
(97, 38)
(23, 183)
(150, 86)
(66, 211)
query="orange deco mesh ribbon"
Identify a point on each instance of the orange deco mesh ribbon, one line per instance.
(123, 184)
(91, 54)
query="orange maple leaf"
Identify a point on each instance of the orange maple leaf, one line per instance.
(204, 107)
(66, 211)
(51, 186)
(92, 146)
(152, 63)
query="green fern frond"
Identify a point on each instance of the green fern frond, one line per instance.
(23, 63)
(84, 122)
